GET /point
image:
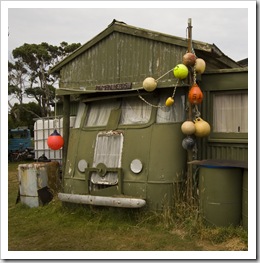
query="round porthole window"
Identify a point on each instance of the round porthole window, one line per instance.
(136, 166)
(82, 165)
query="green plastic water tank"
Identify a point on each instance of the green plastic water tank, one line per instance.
(220, 194)
(245, 200)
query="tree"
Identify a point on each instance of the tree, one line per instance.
(17, 74)
(23, 115)
(28, 75)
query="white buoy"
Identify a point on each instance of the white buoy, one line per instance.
(149, 84)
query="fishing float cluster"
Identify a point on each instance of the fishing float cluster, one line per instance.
(197, 127)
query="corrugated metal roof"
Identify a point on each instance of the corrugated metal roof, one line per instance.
(204, 50)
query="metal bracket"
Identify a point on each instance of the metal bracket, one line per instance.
(101, 169)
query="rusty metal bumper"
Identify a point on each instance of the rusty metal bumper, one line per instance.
(102, 200)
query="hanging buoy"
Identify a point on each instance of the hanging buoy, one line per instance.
(169, 102)
(188, 127)
(188, 143)
(200, 65)
(202, 127)
(149, 84)
(195, 95)
(189, 59)
(55, 141)
(180, 71)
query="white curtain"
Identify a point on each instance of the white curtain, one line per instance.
(230, 113)
(174, 113)
(108, 150)
(135, 111)
(99, 112)
(81, 110)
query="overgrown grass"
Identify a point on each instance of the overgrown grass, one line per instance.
(58, 227)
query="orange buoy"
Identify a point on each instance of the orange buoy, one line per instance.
(195, 95)
(55, 141)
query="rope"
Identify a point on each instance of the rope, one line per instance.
(197, 113)
(194, 74)
(158, 106)
(55, 119)
(164, 74)
(148, 103)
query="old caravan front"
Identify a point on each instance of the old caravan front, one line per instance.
(125, 148)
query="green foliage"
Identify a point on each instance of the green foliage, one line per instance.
(23, 115)
(16, 75)
(29, 74)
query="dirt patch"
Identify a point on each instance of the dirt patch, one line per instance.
(234, 244)
(179, 232)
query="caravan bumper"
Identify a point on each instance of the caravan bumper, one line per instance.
(102, 200)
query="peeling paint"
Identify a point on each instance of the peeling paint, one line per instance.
(34, 177)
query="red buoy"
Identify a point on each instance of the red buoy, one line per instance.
(55, 141)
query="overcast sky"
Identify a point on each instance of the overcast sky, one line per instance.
(227, 28)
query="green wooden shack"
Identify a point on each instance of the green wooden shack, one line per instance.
(125, 149)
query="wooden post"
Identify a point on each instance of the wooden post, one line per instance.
(189, 35)
(189, 152)
(66, 130)
(189, 50)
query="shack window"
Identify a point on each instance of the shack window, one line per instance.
(99, 112)
(135, 111)
(230, 113)
(174, 113)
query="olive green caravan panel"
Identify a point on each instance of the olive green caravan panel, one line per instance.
(136, 147)
(75, 186)
(150, 161)
(84, 152)
(160, 195)
(73, 148)
(167, 156)
(225, 79)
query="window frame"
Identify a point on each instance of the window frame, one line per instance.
(168, 92)
(226, 136)
(152, 98)
(119, 126)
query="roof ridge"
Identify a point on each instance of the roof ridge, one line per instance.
(122, 27)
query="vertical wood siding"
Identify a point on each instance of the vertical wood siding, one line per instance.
(121, 58)
(238, 152)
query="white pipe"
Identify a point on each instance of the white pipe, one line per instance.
(102, 200)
